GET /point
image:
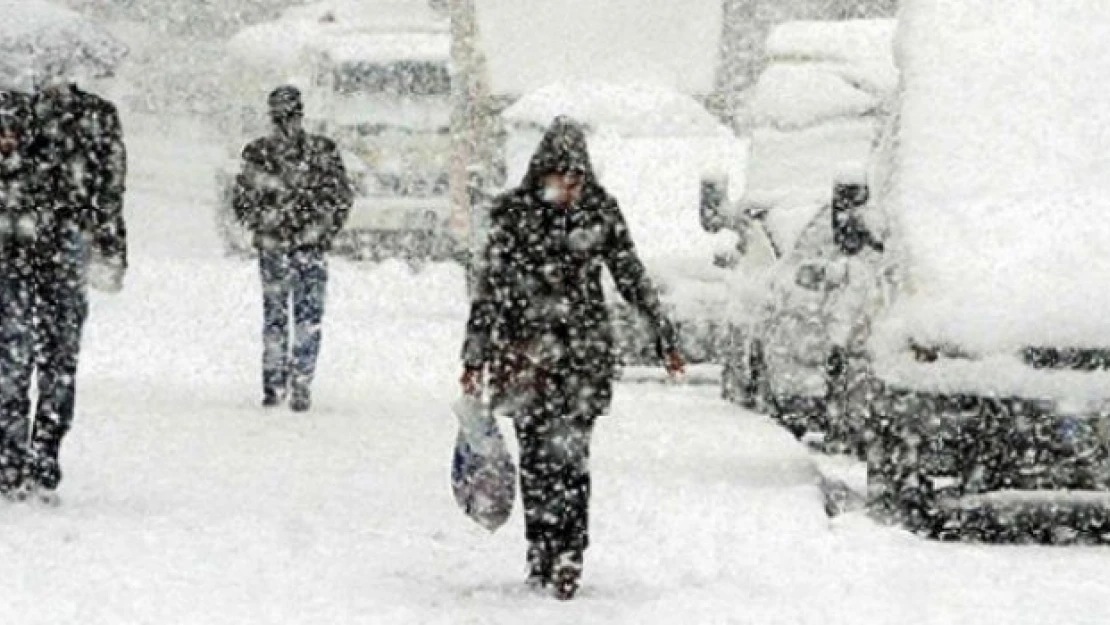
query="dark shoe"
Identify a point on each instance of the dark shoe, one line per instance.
(272, 398)
(301, 400)
(539, 566)
(42, 472)
(567, 574)
(12, 474)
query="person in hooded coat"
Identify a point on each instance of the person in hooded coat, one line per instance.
(63, 230)
(20, 196)
(540, 326)
(293, 195)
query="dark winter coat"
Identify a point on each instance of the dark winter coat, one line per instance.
(82, 163)
(293, 193)
(538, 310)
(21, 192)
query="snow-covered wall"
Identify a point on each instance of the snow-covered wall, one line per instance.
(530, 43)
(1002, 187)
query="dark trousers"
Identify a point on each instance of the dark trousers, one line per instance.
(554, 438)
(43, 307)
(293, 281)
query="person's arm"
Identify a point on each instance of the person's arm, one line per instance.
(109, 237)
(489, 284)
(636, 287)
(251, 187)
(337, 191)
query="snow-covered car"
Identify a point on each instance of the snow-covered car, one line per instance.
(987, 390)
(650, 147)
(376, 79)
(818, 109)
(816, 307)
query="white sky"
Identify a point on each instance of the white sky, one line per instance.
(531, 43)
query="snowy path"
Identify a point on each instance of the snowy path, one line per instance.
(185, 503)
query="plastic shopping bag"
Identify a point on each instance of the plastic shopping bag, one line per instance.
(483, 475)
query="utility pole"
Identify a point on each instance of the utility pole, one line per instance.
(472, 123)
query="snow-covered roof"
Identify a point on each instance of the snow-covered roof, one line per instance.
(1000, 187)
(387, 47)
(531, 43)
(369, 15)
(382, 30)
(638, 109)
(280, 44)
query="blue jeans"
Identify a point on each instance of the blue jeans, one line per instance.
(292, 281)
(43, 307)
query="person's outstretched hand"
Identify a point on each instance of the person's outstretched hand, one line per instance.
(471, 381)
(674, 363)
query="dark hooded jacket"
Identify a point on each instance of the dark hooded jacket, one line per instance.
(293, 192)
(538, 308)
(82, 164)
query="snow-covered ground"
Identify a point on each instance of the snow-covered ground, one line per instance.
(186, 503)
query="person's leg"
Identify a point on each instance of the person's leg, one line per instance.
(572, 442)
(574, 480)
(16, 367)
(61, 307)
(310, 269)
(537, 485)
(275, 274)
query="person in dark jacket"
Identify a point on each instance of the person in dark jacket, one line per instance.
(62, 229)
(540, 326)
(293, 195)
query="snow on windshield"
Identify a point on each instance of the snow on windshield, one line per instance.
(1002, 188)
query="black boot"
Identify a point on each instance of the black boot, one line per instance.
(12, 472)
(539, 565)
(271, 398)
(301, 400)
(567, 574)
(41, 474)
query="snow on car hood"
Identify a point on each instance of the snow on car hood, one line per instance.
(1000, 188)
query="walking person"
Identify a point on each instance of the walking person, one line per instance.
(62, 170)
(293, 195)
(539, 328)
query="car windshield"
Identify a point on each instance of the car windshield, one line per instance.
(405, 79)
